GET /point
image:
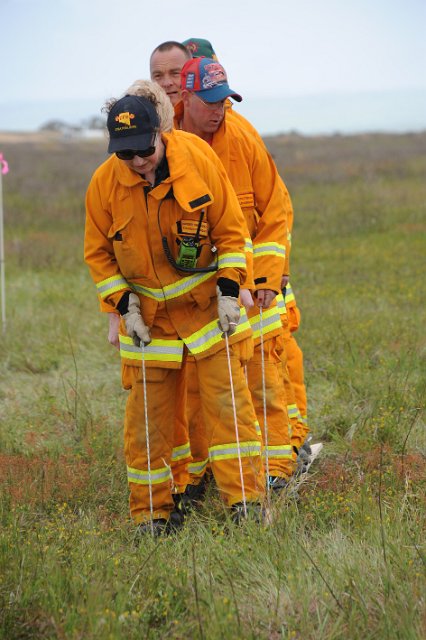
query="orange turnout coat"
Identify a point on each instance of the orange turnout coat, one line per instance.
(124, 249)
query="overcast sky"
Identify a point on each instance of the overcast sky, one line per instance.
(53, 50)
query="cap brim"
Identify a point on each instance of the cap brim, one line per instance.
(135, 143)
(220, 92)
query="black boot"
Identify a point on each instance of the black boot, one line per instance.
(183, 504)
(157, 528)
(195, 493)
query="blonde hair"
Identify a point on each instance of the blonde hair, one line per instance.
(155, 94)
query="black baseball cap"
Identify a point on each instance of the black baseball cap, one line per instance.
(132, 123)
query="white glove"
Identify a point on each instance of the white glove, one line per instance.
(135, 326)
(228, 311)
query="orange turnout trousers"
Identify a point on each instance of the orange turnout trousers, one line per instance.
(264, 376)
(264, 379)
(293, 373)
(227, 447)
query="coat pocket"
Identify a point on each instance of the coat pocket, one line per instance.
(128, 251)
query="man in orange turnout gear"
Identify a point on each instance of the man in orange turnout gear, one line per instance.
(265, 205)
(292, 355)
(157, 190)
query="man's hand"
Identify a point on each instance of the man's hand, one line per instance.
(114, 323)
(135, 326)
(284, 281)
(264, 297)
(246, 299)
(228, 311)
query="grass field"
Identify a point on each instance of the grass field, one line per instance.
(347, 561)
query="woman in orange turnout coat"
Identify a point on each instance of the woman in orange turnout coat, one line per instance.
(143, 205)
(265, 206)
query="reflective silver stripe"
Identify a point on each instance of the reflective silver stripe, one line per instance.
(269, 249)
(143, 477)
(111, 285)
(174, 290)
(156, 350)
(289, 295)
(281, 304)
(248, 245)
(304, 419)
(292, 410)
(184, 285)
(210, 334)
(270, 321)
(198, 468)
(275, 451)
(232, 260)
(230, 451)
(181, 452)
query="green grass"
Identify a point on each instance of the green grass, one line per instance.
(347, 561)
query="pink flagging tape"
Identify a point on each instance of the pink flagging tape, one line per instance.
(4, 167)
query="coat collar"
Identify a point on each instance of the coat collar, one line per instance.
(189, 187)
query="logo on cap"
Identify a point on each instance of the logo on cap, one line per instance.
(190, 81)
(214, 74)
(125, 117)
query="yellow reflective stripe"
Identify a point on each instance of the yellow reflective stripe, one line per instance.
(281, 304)
(257, 427)
(278, 451)
(174, 290)
(197, 468)
(248, 246)
(304, 419)
(156, 350)
(270, 321)
(289, 295)
(269, 249)
(289, 238)
(231, 260)
(230, 451)
(111, 285)
(210, 334)
(293, 411)
(157, 476)
(181, 452)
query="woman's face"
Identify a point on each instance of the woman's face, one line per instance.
(149, 163)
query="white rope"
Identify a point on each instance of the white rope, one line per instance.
(148, 450)
(265, 419)
(237, 438)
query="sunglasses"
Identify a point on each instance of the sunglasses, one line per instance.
(129, 154)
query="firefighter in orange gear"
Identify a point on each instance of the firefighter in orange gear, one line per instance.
(165, 248)
(265, 205)
(294, 379)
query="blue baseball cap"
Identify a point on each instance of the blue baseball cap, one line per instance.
(207, 79)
